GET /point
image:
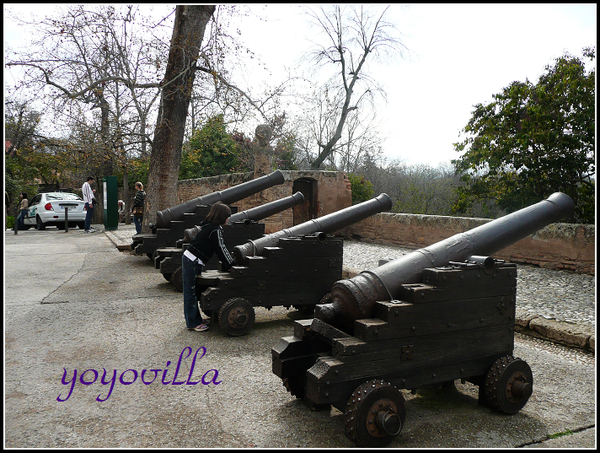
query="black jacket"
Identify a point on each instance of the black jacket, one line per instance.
(209, 241)
(139, 198)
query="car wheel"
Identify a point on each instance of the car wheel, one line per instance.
(81, 225)
(39, 224)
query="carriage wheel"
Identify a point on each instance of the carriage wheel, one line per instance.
(236, 316)
(177, 279)
(508, 384)
(375, 414)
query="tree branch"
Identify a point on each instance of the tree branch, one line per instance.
(229, 85)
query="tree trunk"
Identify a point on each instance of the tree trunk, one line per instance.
(163, 176)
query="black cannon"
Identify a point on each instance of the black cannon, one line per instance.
(326, 224)
(438, 314)
(227, 196)
(172, 222)
(240, 228)
(255, 214)
(293, 267)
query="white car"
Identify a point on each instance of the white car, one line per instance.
(49, 209)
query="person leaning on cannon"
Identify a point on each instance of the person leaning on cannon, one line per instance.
(203, 246)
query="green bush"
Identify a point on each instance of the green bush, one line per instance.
(362, 189)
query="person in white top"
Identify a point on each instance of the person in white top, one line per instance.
(88, 198)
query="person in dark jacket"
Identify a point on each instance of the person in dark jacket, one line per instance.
(203, 246)
(137, 206)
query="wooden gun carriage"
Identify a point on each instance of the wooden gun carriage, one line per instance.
(435, 315)
(292, 267)
(172, 222)
(240, 228)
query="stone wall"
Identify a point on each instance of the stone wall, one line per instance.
(557, 246)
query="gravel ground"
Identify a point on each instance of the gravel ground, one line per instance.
(552, 294)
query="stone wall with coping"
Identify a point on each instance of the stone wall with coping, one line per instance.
(557, 246)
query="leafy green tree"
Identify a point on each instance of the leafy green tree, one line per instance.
(362, 188)
(210, 152)
(533, 140)
(28, 157)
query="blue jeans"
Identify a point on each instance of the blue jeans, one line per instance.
(190, 270)
(138, 223)
(21, 219)
(88, 216)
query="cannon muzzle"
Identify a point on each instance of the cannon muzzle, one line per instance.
(354, 298)
(227, 196)
(256, 214)
(326, 224)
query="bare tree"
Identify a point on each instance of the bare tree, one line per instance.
(95, 61)
(359, 137)
(353, 37)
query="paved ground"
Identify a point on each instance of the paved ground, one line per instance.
(73, 301)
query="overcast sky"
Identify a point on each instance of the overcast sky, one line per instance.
(459, 55)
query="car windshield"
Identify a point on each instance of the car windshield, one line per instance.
(62, 196)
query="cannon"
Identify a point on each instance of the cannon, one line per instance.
(254, 214)
(172, 222)
(165, 217)
(241, 227)
(326, 224)
(435, 315)
(293, 267)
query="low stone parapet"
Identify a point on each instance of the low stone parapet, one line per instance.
(559, 246)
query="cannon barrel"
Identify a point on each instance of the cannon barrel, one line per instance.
(355, 298)
(227, 196)
(326, 224)
(268, 209)
(257, 213)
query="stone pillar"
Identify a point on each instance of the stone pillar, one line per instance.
(262, 151)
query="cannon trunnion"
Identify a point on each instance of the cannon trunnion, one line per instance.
(299, 272)
(458, 323)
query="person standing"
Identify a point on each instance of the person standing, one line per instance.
(138, 206)
(6, 209)
(23, 208)
(207, 242)
(89, 199)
